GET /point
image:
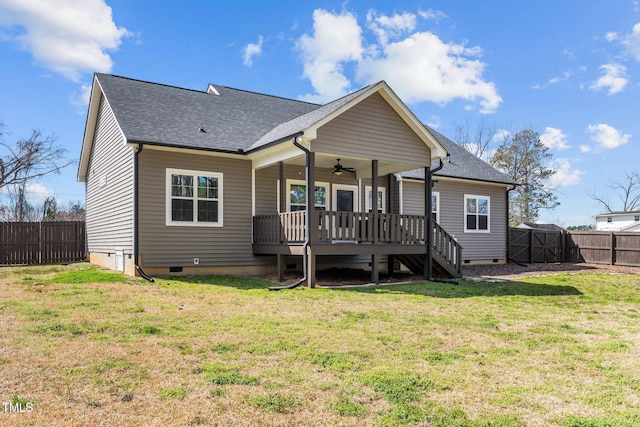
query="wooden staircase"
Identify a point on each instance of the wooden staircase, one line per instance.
(446, 254)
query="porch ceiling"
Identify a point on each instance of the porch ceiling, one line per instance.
(361, 166)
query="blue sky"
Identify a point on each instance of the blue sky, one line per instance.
(568, 69)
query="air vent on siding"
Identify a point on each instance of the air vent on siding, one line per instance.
(212, 90)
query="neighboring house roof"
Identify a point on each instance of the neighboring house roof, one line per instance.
(540, 227)
(461, 164)
(618, 213)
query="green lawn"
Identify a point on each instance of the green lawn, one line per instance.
(85, 346)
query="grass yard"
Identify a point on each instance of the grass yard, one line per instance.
(82, 346)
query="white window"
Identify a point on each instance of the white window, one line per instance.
(435, 206)
(194, 198)
(476, 214)
(609, 219)
(636, 218)
(297, 200)
(382, 199)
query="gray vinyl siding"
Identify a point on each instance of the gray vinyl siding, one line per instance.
(267, 191)
(267, 183)
(475, 246)
(372, 130)
(109, 187)
(166, 246)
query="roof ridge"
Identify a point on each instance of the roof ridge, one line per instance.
(253, 92)
(151, 83)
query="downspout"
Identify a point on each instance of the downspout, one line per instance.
(135, 214)
(305, 246)
(429, 236)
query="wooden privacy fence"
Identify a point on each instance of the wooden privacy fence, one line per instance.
(42, 242)
(599, 247)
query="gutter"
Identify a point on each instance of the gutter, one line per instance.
(135, 215)
(305, 246)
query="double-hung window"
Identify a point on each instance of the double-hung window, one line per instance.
(297, 200)
(476, 214)
(382, 199)
(194, 198)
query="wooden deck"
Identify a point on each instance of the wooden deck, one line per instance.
(354, 233)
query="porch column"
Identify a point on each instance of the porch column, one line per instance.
(311, 225)
(428, 268)
(391, 195)
(375, 277)
(282, 207)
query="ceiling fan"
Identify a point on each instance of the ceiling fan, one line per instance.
(338, 168)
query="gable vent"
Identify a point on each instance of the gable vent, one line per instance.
(212, 90)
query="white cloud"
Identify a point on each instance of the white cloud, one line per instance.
(447, 71)
(564, 175)
(615, 78)
(554, 138)
(69, 37)
(390, 27)
(502, 135)
(631, 42)
(436, 15)
(565, 76)
(611, 36)
(607, 136)
(37, 194)
(252, 50)
(81, 99)
(420, 67)
(336, 39)
(585, 149)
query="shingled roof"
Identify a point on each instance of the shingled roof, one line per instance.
(230, 120)
(461, 164)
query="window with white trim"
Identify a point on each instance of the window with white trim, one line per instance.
(382, 199)
(435, 206)
(297, 200)
(194, 198)
(476, 213)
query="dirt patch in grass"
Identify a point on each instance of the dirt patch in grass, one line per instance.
(512, 270)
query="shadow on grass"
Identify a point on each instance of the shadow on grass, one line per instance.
(241, 283)
(467, 289)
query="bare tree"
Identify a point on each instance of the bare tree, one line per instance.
(627, 192)
(19, 208)
(29, 158)
(477, 141)
(73, 211)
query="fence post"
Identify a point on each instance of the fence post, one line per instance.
(530, 246)
(613, 248)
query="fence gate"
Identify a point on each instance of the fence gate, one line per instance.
(546, 246)
(42, 242)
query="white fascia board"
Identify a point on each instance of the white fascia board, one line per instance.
(460, 180)
(151, 146)
(272, 155)
(89, 130)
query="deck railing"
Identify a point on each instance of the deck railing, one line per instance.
(446, 246)
(361, 227)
